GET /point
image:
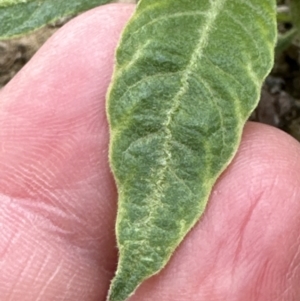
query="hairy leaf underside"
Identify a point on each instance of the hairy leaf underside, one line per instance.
(187, 76)
(18, 17)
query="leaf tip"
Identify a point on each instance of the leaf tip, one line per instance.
(118, 290)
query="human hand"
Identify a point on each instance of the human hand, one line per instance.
(58, 199)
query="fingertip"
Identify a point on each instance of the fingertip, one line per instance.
(270, 141)
(268, 152)
(54, 167)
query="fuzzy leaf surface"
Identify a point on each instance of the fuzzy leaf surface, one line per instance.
(187, 76)
(18, 17)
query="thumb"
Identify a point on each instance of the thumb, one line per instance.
(57, 196)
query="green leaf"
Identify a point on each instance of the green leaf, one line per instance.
(187, 76)
(18, 17)
(295, 11)
(285, 40)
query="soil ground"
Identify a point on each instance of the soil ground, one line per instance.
(280, 98)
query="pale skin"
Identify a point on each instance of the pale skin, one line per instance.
(58, 199)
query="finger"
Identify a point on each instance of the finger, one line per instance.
(57, 202)
(246, 247)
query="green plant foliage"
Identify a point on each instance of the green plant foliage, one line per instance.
(295, 11)
(285, 40)
(18, 17)
(187, 76)
(289, 14)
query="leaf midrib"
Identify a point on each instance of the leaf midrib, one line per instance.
(204, 32)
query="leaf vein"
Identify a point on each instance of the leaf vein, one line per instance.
(242, 26)
(129, 89)
(212, 14)
(172, 171)
(164, 18)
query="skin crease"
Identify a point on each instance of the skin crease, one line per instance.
(58, 199)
